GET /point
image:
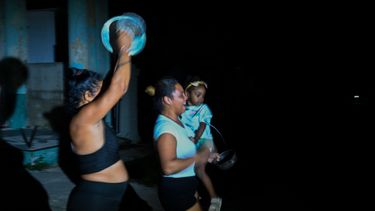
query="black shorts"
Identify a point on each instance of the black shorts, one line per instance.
(88, 195)
(177, 194)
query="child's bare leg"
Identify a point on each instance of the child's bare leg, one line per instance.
(203, 176)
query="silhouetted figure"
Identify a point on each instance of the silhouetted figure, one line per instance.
(19, 189)
(59, 120)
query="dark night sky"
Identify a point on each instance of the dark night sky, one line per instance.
(265, 63)
(271, 67)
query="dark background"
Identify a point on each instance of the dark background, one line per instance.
(282, 79)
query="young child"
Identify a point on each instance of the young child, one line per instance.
(197, 117)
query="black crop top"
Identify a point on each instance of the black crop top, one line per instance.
(103, 157)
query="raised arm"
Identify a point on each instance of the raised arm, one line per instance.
(97, 109)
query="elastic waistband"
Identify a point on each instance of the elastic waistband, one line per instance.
(103, 188)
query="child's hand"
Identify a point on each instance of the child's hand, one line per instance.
(214, 157)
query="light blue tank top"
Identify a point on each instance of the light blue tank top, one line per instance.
(185, 147)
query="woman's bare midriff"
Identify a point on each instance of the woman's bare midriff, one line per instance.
(115, 173)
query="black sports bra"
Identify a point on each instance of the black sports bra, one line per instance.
(103, 157)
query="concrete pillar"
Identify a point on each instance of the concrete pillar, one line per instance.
(85, 19)
(78, 33)
(13, 16)
(2, 28)
(101, 59)
(15, 29)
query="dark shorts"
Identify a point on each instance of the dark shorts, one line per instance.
(88, 195)
(177, 194)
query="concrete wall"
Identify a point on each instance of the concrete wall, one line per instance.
(45, 91)
(42, 41)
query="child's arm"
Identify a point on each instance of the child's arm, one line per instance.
(199, 132)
